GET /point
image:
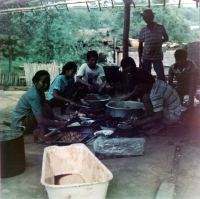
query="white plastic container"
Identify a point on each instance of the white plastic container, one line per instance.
(87, 177)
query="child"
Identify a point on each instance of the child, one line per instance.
(186, 73)
(64, 91)
(89, 73)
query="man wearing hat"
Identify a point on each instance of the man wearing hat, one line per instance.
(153, 35)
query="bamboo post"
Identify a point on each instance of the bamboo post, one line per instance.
(126, 27)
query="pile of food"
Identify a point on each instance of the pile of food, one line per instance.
(71, 137)
(127, 123)
(76, 114)
(88, 114)
(110, 123)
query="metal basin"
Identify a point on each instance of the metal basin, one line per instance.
(125, 109)
(97, 102)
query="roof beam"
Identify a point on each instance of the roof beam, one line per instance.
(64, 5)
(88, 6)
(99, 5)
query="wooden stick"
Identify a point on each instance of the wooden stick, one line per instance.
(52, 132)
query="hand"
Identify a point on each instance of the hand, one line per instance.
(62, 125)
(136, 123)
(140, 65)
(63, 119)
(136, 89)
(100, 90)
(73, 104)
(84, 102)
(90, 87)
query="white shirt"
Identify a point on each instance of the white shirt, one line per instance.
(85, 72)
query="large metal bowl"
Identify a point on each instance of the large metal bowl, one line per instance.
(125, 109)
(99, 103)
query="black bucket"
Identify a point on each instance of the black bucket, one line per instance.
(12, 153)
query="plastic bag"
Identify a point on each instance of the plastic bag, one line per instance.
(119, 146)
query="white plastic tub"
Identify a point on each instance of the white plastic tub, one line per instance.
(87, 177)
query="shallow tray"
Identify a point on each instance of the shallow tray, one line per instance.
(58, 141)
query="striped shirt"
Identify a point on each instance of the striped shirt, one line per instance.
(165, 98)
(152, 42)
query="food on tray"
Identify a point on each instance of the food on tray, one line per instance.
(76, 114)
(71, 137)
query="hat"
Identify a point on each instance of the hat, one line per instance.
(147, 12)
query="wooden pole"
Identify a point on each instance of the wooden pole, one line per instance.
(10, 42)
(125, 39)
(126, 27)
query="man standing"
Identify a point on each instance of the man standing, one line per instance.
(153, 35)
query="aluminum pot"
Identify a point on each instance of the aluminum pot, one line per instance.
(125, 109)
(97, 102)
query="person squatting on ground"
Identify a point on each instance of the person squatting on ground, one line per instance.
(64, 92)
(153, 35)
(89, 73)
(160, 100)
(129, 67)
(186, 74)
(33, 110)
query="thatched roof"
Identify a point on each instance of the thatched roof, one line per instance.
(18, 6)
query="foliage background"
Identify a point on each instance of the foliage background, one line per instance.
(64, 36)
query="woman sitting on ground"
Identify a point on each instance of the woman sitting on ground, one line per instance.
(33, 111)
(64, 92)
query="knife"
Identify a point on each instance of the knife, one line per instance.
(76, 119)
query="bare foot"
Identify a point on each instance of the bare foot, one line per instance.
(43, 140)
(156, 129)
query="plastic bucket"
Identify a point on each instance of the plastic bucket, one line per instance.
(12, 152)
(84, 176)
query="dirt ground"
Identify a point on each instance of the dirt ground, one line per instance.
(134, 178)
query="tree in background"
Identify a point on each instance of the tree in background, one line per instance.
(176, 21)
(12, 46)
(68, 35)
